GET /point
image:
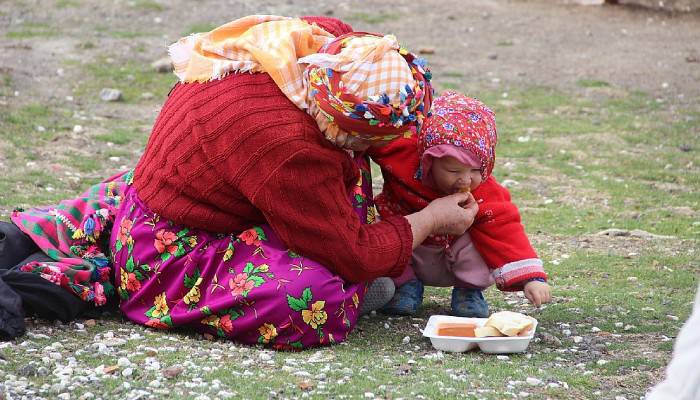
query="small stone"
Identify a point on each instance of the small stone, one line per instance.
(406, 340)
(672, 317)
(595, 329)
(550, 339)
(602, 362)
(123, 362)
(40, 128)
(90, 323)
(162, 65)
(629, 327)
(632, 279)
(172, 372)
(533, 381)
(28, 370)
(78, 129)
(566, 332)
(150, 351)
(508, 183)
(369, 395)
(109, 94)
(110, 369)
(577, 339)
(503, 358)
(64, 396)
(128, 372)
(619, 324)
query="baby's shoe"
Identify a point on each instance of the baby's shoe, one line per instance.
(468, 302)
(378, 293)
(406, 300)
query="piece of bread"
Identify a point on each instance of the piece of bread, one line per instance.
(511, 323)
(485, 331)
(462, 329)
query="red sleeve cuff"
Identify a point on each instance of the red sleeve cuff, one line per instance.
(512, 277)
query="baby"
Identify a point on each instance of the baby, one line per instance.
(455, 152)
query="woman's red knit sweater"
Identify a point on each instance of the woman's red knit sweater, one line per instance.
(232, 153)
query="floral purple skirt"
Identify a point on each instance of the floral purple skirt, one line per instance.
(247, 286)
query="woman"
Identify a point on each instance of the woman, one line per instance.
(245, 217)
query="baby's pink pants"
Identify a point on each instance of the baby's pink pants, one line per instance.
(459, 265)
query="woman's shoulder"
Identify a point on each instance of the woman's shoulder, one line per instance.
(236, 93)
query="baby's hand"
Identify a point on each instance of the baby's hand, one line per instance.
(538, 293)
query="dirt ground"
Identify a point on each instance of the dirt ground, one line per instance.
(490, 42)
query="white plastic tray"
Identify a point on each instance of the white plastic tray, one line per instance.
(495, 345)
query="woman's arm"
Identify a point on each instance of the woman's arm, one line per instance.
(305, 200)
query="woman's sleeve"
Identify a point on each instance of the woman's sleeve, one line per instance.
(305, 201)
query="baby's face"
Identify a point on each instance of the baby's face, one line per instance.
(451, 176)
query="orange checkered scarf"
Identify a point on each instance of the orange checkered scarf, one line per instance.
(256, 43)
(373, 94)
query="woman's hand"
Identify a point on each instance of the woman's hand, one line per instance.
(451, 215)
(538, 293)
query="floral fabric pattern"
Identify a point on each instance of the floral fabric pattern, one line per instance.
(247, 286)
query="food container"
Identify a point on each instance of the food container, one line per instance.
(495, 345)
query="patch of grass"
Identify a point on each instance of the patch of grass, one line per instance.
(131, 78)
(5, 83)
(128, 34)
(30, 124)
(199, 27)
(618, 367)
(372, 19)
(504, 43)
(452, 74)
(592, 83)
(85, 45)
(119, 34)
(118, 136)
(67, 3)
(147, 5)
(32, 30)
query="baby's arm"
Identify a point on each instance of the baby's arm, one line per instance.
(500, 238)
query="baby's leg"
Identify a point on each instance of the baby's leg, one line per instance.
(409, 287)
(467, 265)
(471, 275)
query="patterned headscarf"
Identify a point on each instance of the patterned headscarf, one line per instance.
(368, 86)
(364, 84)
(465, 123)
